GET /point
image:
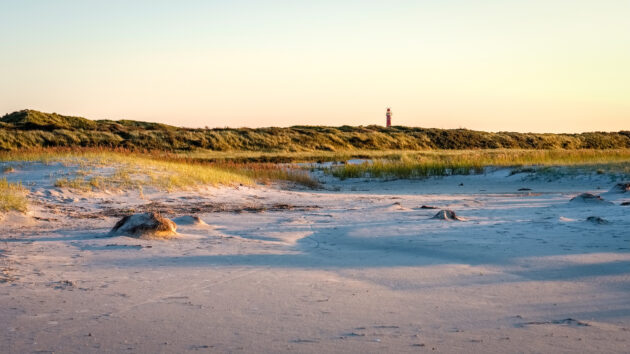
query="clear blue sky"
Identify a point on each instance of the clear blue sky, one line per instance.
(491, 65)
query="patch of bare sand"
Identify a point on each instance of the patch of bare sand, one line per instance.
(348, 276)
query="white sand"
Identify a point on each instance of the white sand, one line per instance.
(524, 273)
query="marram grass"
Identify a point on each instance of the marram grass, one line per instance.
(165, 171)
(135, 172)
(31, 129)
(12, 196)
(443, 163)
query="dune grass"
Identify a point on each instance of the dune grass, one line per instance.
(462, 162)
(289, 157)
(130, 171)
(268, 172)
(99, 169)
(31, 129)
(12, 196)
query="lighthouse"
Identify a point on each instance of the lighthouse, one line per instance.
(388, 117)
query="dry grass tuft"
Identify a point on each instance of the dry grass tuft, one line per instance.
(12, 196)
(131, 171)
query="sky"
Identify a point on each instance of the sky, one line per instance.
(494, 65)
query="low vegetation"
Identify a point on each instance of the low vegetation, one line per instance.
(32, 129)
(130, 171)
(107, 154)
(12, 196)
(99, 169)
(442, 163)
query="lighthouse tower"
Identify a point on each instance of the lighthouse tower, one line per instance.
(388, 117)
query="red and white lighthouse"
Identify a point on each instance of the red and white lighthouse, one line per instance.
(388, 117)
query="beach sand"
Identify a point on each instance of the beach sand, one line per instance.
(356, 267)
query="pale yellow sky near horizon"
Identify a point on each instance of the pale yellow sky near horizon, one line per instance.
(534, 66)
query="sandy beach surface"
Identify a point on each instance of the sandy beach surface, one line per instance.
(356, 267)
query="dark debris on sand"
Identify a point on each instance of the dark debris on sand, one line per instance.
(204, 207)
(623, 187)
(589, 198)
(597, 220)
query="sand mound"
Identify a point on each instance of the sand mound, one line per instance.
(147, 225)
(447, 215)
(623, 187)
(396, 206)
(597, 220)
(588, 198)
(189, 220)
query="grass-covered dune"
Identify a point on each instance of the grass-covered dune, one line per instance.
(32, 129)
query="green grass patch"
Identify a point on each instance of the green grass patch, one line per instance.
(32, 129)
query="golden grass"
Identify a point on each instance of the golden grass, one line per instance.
(483, 156)
(132, 171)
(441, 162)
(287, 157)
(176, 170)
(100, 169)
(269, 172)
(12, 196)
